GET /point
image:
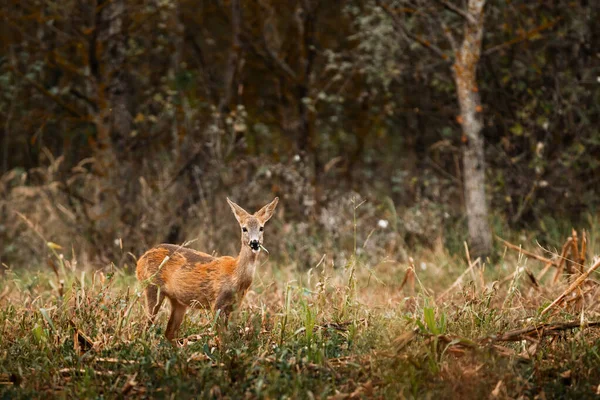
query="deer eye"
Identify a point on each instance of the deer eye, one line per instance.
(262, 228)
(244, 229)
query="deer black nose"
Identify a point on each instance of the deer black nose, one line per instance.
(254, 244)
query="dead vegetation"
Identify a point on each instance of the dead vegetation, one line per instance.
(361, 331)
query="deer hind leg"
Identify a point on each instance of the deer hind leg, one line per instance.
(153, 301)
(177, 314)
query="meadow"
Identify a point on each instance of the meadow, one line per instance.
(438, 326)
(437, 234)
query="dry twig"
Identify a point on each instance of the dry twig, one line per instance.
(525, 252)
(562, 259)
(539, 331)
(409, 278)
(458, 281)
(572, 287)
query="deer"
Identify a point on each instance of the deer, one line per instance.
(190, 278)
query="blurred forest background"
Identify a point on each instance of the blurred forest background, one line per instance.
(126, 123)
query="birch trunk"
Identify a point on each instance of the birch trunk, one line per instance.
(465, 68)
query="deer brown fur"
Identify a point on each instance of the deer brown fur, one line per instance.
(189, 278)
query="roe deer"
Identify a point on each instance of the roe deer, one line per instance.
(192, 278)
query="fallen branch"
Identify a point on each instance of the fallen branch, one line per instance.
(525, 252)
(82, 371)
(113, 360)
(10, 379)
(130, 384)
(454, 343)
(81, 342)
(540, 330)
(572, 287)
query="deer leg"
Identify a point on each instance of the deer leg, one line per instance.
(153, 301)
(177, 314)
(224, 304)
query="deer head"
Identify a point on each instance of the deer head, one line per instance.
(253, 225)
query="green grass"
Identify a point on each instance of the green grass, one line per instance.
(338, 333)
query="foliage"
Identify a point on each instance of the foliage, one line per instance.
(164, 115)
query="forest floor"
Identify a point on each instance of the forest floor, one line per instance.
(443, 328)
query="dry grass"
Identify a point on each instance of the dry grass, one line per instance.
(350, 332)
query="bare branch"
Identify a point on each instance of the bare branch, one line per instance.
(399, 26)
(457, 10)
(83, 97)
(46, 93)
(435, 17)
(450, 36)
(201, 59)
(270, 57)
(526, 36)
(278, 61)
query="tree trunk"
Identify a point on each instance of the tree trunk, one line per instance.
(308, 139)
(107, 64)
(233, 61)
(465, 68)
(230, 80)
(110, 90)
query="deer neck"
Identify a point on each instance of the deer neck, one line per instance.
(245, 267)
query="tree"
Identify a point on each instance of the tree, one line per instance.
(136, 116)
(466, 57)
(465, 67)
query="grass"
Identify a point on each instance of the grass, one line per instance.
(344, 333)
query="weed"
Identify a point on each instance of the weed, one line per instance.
(327, 333)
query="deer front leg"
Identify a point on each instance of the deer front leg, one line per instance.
(177, 314)
(153, 301)
(224, 304)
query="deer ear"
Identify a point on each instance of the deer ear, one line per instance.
(238, 211)
(265, 213)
